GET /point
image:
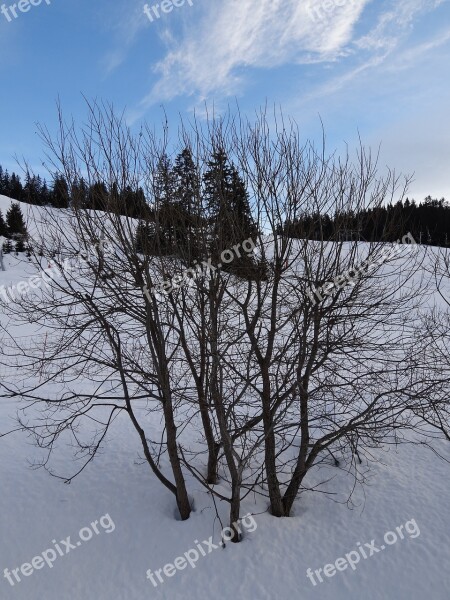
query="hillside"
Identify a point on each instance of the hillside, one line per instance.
(139, 531)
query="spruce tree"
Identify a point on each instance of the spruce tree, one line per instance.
(218, 186)
(10, 185)
(15, 222)
(32, 189)
(3, 228)
(59, 196)
(97, 197)
(166, 209)
(132, 203)
(7, 247)
(228, 208)
(15, 189)
(243, 223)
(3, 182)
(145, 238)
(79, 194)
(188, 201)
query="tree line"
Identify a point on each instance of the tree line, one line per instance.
(186, 200)
(428, 222)
(36, 191)
(185, 205)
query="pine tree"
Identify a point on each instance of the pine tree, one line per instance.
(15, 189)
(59, 196)
(140, 208)
(20, 246)
(188, 201)
(32, 189)
(10, 185)
(3, 182)
(165, 206)
(242, 221)
(227, 202)
(79, 194)
(97, 197)
(7, 247)
(242, 227)
(217, 188)
(145, 238)
(228, 208)
(3, 228)
(15, 222)
(132, 203)
(46, 195)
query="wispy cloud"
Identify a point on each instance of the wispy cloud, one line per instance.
(394, 22)
(387, 46)
(219, 42)
(413, 55)
(251, 33)
(125, 24)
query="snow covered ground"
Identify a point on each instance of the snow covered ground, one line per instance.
(137, 530)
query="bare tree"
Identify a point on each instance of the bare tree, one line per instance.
(333, 372)
(432, 344)
(303, 350)
(105, 327)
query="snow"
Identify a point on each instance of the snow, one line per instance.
(271, 561)
(408, 483)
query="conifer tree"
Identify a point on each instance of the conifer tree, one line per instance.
(60, 193)
(7, 247)
(32, 189)
(243, 224)
(188, 200)
(97, 197)
(15, 189)
(79, 194)
(145, 238)
(3, 228)
(132, 203)
(4, 182)
(15, 223)
(218, 185)
(165, 205)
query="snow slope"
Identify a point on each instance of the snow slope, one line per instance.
(271, 562)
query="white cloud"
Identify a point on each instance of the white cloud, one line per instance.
(395, 23)
(125, 23)
(252, 33)
(382, 51)
(410, 57)
(220, 41)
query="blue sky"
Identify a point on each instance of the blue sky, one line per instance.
(377, 67)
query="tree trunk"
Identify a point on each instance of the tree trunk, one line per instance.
(276, 503)
(301, 467)
(171, 433)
